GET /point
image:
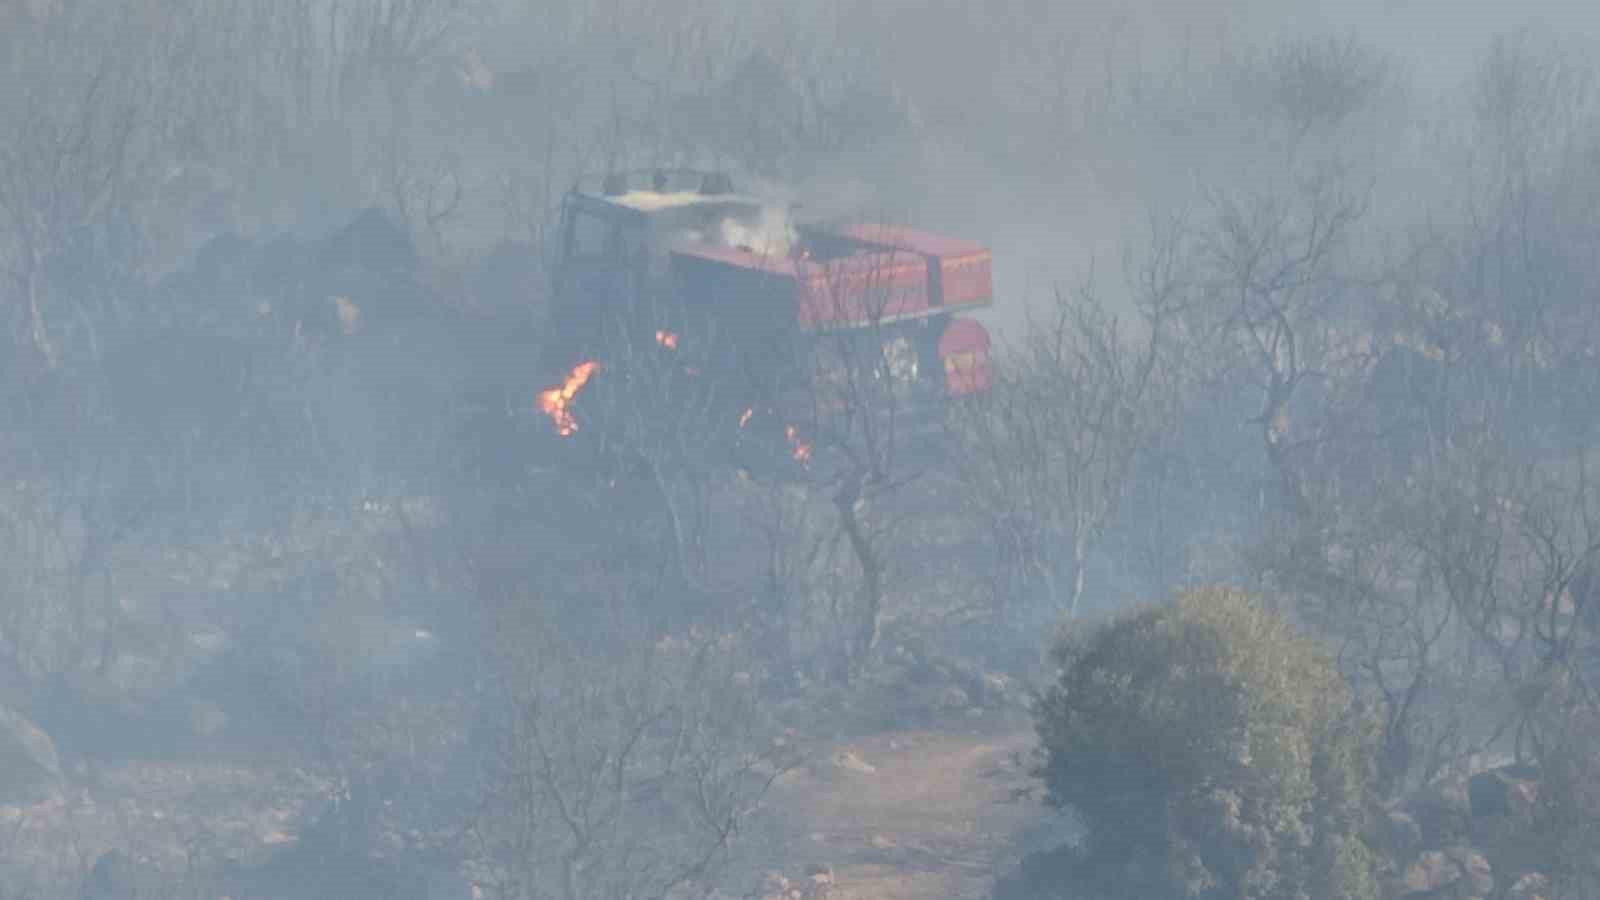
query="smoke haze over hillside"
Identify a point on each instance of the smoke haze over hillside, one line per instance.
(380, 516)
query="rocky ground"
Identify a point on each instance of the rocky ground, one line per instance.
(904, 814)
(910, 789)
(1471, 833)
(162, 823)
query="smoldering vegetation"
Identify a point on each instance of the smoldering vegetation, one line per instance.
(303, 594)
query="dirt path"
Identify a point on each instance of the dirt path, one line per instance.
(909, 814)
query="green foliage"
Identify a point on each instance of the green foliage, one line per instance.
(1210, 751)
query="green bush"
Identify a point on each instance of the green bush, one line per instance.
(1210, 751)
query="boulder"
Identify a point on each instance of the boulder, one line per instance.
(774, 887)
(814, 884)
(848, 761)
(819, 880)
(1429, 872)
(1478, 874)
(1460, 871)
(1531, 886)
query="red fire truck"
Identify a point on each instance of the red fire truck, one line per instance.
(773, 303)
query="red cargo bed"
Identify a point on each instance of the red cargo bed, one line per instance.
(893, 274)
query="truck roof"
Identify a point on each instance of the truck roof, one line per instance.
(653, 201)
(900, 238)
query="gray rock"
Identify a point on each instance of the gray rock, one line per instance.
(1531, 886)
(1475, 867)
(30, 768)
(1427, 874)
(1462, 871)
(848, 761)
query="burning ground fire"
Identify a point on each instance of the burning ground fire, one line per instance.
(667, 339)
(554, 402)
(799, 449)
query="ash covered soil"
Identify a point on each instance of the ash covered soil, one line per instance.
(904, 814)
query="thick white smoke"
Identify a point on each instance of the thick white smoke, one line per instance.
(770, 233)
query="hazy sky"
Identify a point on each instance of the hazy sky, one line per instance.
(1439, 38)
(1049, 235)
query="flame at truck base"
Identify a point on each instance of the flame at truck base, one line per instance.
(555, 401)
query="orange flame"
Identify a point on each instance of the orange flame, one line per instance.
(744, 417)
(667, 339)
(554, 402)
(799, 449)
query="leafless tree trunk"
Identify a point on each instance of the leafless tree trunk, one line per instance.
(859, 429)
(662, 411)
(65, 165)
(1047, 458)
